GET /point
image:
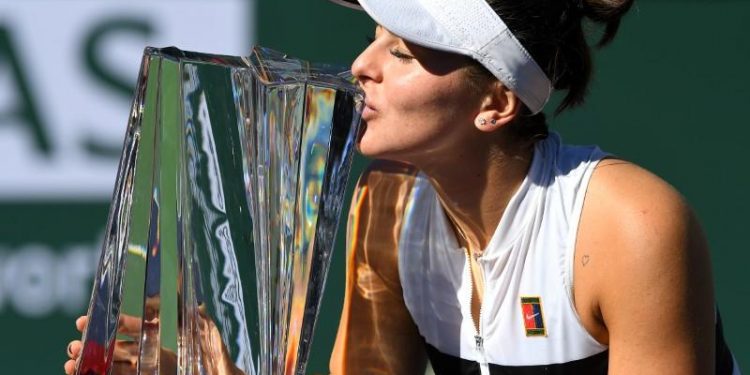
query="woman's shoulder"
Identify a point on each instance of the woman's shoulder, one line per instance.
(643, 268)
(384, 184)
(381, 191)
(642, 231)
(636, 205)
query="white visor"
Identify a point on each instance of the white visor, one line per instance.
(466, 27)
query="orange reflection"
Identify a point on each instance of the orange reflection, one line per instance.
(212, 355)
(376, 334)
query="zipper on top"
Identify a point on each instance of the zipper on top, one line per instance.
(478, 337)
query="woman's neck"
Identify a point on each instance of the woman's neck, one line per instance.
(475, 186)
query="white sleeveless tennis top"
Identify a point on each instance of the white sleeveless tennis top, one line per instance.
(527, 323)
(527, 315)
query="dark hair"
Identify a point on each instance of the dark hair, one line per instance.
(552, 31)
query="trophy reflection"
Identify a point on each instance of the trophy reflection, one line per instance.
(222, 223)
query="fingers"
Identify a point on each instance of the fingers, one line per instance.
(129, 325)
(70, 366)
(126, 351)
(125, 356)
(74, 349)
(81, 323)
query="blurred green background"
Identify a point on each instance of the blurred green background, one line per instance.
(670, 94)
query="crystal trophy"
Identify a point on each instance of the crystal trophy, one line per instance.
(223, 218)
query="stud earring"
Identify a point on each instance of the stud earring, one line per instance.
(493, 121)
(482, 121)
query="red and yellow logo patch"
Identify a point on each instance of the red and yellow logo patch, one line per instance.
(533, 318)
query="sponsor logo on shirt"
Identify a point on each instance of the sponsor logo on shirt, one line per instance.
(533, 319)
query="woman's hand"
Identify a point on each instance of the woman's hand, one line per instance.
(74, 347)
(125, 355)
(215, 357)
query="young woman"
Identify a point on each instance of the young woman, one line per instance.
(487, 245)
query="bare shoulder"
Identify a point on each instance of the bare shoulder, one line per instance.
(382, 190)
(638, 205)
(640, 213)
(648, 271)
(374, 315)
(375, 215)
(639, 217)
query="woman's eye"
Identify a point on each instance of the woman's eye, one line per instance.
(401, 56)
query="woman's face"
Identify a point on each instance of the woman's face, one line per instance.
(420, 104)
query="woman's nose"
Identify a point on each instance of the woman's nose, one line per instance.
(364, 67)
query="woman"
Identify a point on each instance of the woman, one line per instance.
(474, 246)
(480, 252)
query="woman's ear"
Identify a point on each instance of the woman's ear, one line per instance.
(499, 107)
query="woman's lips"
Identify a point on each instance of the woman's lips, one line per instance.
(368, 112)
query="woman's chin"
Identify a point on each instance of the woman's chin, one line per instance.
(365, 143)
(367, 151)
(370, 144)
(377, 147)
(373, 152)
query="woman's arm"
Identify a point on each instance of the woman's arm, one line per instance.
(376, 333)
(645, 269)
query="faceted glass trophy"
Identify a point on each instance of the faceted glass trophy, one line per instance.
(225, 208)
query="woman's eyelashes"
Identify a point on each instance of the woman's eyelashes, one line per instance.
(400, 55)
(395, 52)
